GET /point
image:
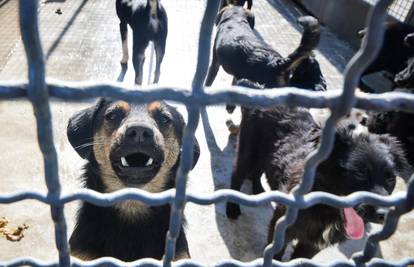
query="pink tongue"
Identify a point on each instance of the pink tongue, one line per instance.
(354, 225)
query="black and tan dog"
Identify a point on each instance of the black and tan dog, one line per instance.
(126, 145)
(283, 138)
(237, 3)
(148, 20)
(242, 54)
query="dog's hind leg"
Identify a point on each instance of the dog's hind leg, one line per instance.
(246, 164)
(230, 107)
(159, 53)
(138, 58)
(212, 70)
(123, 27)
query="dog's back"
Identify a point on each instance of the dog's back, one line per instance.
(245, 56)
(145, 16)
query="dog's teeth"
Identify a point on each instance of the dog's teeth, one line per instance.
(124, 162)
(149, 162)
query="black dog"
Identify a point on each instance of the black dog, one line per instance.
(148, 20)
(394, 53)
(283, 138)
(396, 123)
(237, 3)
(244, 55)
(308, 75)
(126, 145)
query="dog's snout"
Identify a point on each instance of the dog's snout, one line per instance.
(364, 121)
(381, 213)
(139, 134)
(351, 127)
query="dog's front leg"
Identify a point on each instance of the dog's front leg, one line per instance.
(159, 54)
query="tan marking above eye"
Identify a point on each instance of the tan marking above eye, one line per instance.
(123, 105)
(154, 106)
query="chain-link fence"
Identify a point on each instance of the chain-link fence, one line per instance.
(39, 91)
(399, 9)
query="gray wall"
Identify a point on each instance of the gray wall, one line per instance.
(344, 17)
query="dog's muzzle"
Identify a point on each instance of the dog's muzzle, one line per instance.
(137, 157)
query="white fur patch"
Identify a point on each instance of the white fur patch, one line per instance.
(125, 55)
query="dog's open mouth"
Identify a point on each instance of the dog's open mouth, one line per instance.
(353, 224)
(137, 160)
(137, 166)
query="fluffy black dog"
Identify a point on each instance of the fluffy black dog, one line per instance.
(244, 55)
(396, 123)
(394, 53)
(283, 138)
(148, 20)
(127, 145)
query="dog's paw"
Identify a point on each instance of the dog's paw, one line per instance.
(233, 128)
(233, 211)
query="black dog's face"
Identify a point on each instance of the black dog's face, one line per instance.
(134, 145)
(363, 163)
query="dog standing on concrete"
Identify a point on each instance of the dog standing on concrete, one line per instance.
(127, 145)
(276, 141)
(245, 56)
(148, 20)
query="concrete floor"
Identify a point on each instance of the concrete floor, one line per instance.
(83, 44)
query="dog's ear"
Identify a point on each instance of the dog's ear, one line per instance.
(80, 130)
(250, 18)
(403, 168)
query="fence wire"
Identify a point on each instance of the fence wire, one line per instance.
(38, 90)
(398, 9)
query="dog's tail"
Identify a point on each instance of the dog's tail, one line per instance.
(310, 40)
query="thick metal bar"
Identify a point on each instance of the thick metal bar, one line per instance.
(366, 54)
(191, 263)
(38, 95)
(78, 92)
(222, 195)
(193, 110)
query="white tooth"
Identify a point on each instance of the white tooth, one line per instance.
(124, 162)
(149, 162)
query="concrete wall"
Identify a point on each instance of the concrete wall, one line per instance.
(343, 17)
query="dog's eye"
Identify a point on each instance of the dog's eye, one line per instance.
(164, 118)
(113, 115)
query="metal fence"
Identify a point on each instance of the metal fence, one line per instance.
(39, 91)
(399, 9)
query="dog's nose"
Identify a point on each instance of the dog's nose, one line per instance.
(381, 213)
(364, 121)
(139, 134)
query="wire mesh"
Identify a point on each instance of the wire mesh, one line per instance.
(398, 9)
(38, 90)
